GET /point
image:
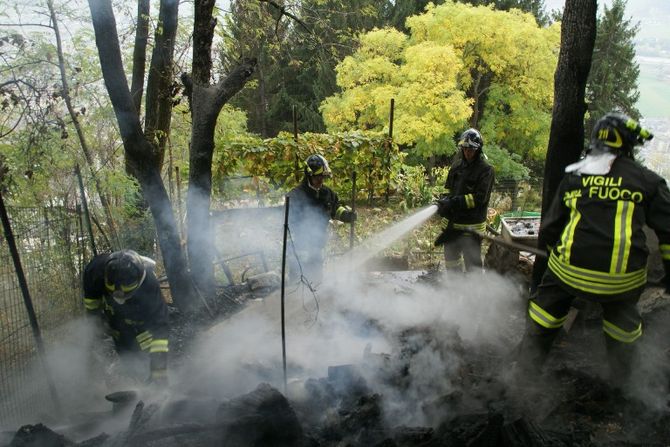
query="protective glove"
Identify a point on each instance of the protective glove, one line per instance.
(444, 237)
(444, 206)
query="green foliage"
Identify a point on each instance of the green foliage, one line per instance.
(613, 79)
(422, 78)
(416, 189)
(295, 61)
(280, 160)
(535, 7)
(506, 165)
(448, 75)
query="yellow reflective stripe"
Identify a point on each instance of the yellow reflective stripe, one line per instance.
(129, 288)
(471, 227)
(92, 303)
(339, 211)
(469, 201)
(567, 238)
(544, 318)
(109, 286)
(159, 345)
(623, 229)
(143, 336)
(593, 281)
(665, 251)
(595, 275)
(619, 334)
(144, 339)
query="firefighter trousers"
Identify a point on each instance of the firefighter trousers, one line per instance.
(548, 309)
(466, 244)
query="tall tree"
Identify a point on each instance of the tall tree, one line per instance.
(296, 57)
(613, 81)
(206, 101)
(566, 138)
(141, 150)
(252, 29)
(145, 148)
(447, 75)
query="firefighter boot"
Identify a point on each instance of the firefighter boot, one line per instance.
(532, 352)
(620, 361)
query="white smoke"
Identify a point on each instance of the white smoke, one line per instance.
(353, 315)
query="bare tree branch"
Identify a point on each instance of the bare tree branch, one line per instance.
(283, 12)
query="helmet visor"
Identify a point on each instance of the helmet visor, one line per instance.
(122, 291)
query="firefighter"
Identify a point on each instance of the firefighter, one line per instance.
(465, 203)
(598, 250)
(122, 288)
(311, 206)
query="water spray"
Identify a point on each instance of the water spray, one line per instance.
(372, 246)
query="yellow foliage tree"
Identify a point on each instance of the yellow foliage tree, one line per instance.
(461, 66)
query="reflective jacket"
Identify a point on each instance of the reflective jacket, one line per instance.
(596, 223)
(469, 185)
(141, 323)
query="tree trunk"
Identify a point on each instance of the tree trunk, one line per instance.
(201, 253)
(478, 91)
(566, 138)
(161, 78)
(140, 52)
(140, 153)
(206, 102)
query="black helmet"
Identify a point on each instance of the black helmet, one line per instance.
(124, 274)
(317, 165)
(616, 132)
(471, 138)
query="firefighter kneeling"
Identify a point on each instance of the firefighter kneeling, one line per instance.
(122, 288)
(599, 249)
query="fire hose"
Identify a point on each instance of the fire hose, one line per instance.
(509, 244)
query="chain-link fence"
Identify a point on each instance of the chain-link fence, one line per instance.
(51, 248)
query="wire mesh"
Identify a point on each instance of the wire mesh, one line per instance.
(51, 248)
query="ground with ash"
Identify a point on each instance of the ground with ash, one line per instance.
(571, 404)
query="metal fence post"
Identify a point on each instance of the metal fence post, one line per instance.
(283, 288)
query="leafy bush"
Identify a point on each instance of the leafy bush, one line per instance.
(373, 156)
